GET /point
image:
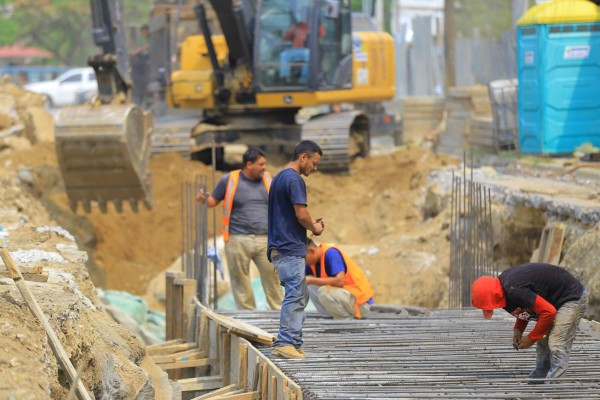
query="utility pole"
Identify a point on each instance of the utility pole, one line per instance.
(518, 9)
(449, 43)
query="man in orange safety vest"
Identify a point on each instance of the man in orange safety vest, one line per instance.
(245, 195)
(336, 284)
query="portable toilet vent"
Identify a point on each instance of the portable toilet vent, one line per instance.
(559, 76)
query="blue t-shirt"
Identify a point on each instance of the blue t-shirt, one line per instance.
(334, 264)
(285, 234)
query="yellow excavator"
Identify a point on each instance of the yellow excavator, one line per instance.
(271, 59)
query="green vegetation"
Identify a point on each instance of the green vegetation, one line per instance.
(490, 17)
(63, 27)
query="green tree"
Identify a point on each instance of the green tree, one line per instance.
(63, 27)
(490, 18)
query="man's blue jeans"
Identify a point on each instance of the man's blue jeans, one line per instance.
(292, 275)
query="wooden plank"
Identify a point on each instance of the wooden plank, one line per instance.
(216, 393)
(177, 310)
(240, 328)
(200, 383)
(273, 387)
(169, 312)
(36, 310)
(264, 389)
(175, 348)
(226, 357)
(193, 354)
(43, 277)
(25, 269)
(164, 344)
(201, 362)
(240, 396)
(256, 376)
(555, 244)
(243, 366)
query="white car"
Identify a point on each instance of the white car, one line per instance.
(69, 88)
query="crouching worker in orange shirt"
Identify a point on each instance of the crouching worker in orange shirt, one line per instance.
(336, 285)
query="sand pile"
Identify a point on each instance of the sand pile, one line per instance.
(22, 115)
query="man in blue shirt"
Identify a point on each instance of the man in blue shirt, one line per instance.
(288, 222)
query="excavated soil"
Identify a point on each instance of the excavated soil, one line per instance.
(368, 212)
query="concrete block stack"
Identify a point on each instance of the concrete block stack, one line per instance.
(481, 127)
(459, 109)
(421, 115)
(469, 120)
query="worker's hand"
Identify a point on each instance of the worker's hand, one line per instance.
(525, 343)
(202, 196)
(318, 227)
(517, 336)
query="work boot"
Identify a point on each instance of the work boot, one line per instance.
(536, 374)
(300, 350)
(287, 351)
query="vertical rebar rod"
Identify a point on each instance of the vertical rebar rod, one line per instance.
(213, 169)
(182, 212)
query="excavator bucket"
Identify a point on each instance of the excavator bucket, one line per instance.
(103, 153)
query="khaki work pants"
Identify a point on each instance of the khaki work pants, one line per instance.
(240, 250)
(331, 301)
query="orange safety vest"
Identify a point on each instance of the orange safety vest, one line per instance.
(355, 280)
(232, 184)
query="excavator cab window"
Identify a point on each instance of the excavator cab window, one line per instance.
(335, 67)
(294, 34)
(283, 59)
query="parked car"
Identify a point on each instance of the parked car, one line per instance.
(66, 90)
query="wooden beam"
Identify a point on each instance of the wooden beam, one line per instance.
(200, 383)
(201, 362)
(243, 366)
(174, 348)
(42, 277)
(240, 396)
(240, 328)
(264, 390)
(164, 344)
(170, 277)
(216, 393)
(182, 356)
(226, 357)
(59, 352)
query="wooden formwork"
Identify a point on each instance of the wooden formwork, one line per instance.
(212, 356)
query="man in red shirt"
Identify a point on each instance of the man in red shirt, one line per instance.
(538, 292)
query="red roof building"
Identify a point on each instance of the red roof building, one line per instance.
(18, 54)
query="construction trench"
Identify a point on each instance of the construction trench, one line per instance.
(393, 215)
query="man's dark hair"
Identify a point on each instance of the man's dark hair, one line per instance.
(145, 27)
(310, 243)
(252, 154)
(306, 146)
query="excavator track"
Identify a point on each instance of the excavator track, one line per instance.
(103, 155)
(342, 136)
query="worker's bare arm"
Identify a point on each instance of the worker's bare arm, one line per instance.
(337, 281)
(304, 218)
(210, 201)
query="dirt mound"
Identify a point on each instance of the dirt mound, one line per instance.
(375, 206)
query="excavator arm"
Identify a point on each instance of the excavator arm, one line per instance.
(103, 147)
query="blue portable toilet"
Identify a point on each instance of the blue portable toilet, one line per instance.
(558, 46)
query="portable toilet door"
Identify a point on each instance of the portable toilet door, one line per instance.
(558, 46)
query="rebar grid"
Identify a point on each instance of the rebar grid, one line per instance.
(449, 354)
(471, 236)
(194, 234)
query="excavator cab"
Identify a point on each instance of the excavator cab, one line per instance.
(303, 45)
